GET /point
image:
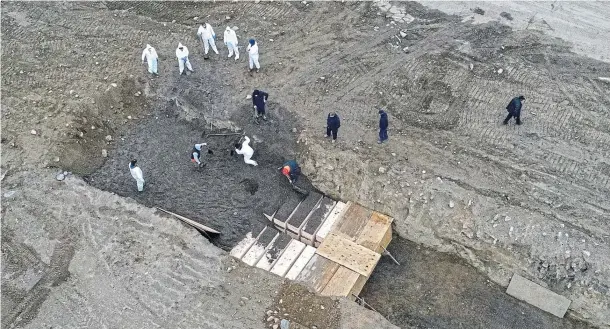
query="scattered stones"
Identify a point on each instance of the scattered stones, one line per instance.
(500, 71)
(104, 153)
(451, 204)
(60, 177)
(108, 138)
(403, 34)
(33, 132)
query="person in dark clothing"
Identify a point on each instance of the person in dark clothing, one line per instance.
(291, 170)
(259, 100)
(383, 127)
(332, 125)
(514, 109)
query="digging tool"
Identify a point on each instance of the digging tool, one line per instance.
(299, 189)
(386, 252)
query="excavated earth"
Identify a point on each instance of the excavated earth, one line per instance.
(530, 199)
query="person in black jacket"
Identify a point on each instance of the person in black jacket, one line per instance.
(514, 109)
(259, 99)
(332, 125)
(383, 127)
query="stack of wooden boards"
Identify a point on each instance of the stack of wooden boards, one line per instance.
(349, 240)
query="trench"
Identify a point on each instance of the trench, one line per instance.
(227, 194)
(435, 290)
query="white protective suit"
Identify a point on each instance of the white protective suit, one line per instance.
(253, 55)
(207, 36)
(150, 55)
(183, 58)
(247, 152)
(136, 173)
(230, 39)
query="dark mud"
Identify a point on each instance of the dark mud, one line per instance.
(434, 290)
(226, 194)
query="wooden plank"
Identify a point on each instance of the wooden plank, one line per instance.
(317, 217)
(349, 254)
(289, 256)
(259, 248)
(302, 212)
(318, 272)
(532, 293)
(289, 206)
(374, 231)
(191, 222)
(357, 287)
(274, 251)
(244, 245)
(342, 283)
(352, 222)
(330, 221)
(301, 262)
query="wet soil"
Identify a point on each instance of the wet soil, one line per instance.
(440, 291)
(226, 194)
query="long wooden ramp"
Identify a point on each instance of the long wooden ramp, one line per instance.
(331, 246)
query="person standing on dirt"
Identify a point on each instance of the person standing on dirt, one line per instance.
(332, 125)
(150, 55)
(196, 154)
(252, 50)
(136, 173)
(291, 170)
(183, 58)
(259, 100)
(246, 151)
(514, 109)
(207, 36)
(230, 39)
(383, 127)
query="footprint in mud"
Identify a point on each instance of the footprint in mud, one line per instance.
(250, 185)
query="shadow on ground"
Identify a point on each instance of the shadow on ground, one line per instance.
(434, 290)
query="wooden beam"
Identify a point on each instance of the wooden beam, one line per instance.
(191, 222)
(349, 254)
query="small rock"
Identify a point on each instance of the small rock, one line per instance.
(114, 85)
(257, 1)
(56, 159)
(405, 49)
(281, 301)
(129, 117)
(500, 71)
(195, 18)
(269, 312)
(381, 170)
(71, 92)
(322, 78)
(451, 204)
(248, 96)
(403, 34)
(506, 219)
(322, 307)
(294, 130)
(92, 127)
(60, 177)
(227, 17)
(270, 318)
(229, 269)
(275, 326)
(235, 28)
(33, 132)
(471, 66)
(393, 154)
(9, 194)
(423, 171)
(271, 40)
(104, 153)
(108, 138)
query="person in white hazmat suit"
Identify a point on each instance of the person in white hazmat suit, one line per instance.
(183, 58)
(252, 50)
(246, 151)
(136, 173)
(207, 36)
(150, 55)
(230, 39)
